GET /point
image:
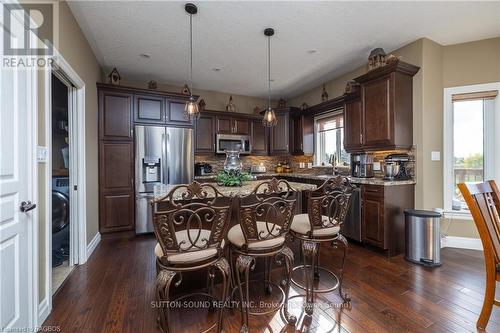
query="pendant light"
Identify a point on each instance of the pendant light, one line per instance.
(191, 110)
(269, 116)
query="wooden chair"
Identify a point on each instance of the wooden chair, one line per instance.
(483, 201)
(190, 224)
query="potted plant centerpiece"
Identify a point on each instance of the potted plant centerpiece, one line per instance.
(232, 174)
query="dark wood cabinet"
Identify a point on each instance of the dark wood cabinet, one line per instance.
(233, 125)
(116, 186)
(279, 134)
(115, 116)
(301, 133)
(119, 108)
(241, 126)
(353, 124)
(384, 119)
(260, 138)
(176, 113)
(382, 216)
(205, 135)
(149, 109)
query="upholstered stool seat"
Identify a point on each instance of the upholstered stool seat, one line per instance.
(301, 225)
(195, 254)
(235, 236)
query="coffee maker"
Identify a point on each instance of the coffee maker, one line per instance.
(401, 161)
(362, 165)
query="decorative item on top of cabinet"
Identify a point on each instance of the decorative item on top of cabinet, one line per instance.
(185, 90)
(324, 94)
(351, 87)
(114, 77)
(257, 109)
(153, 85)
(281, 103)
(376, 59)
(231, 107)
(202, 105)
(304, 106)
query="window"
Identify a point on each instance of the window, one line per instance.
(329, 139)
(469, 128)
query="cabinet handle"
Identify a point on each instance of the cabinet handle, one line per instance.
(361, 137)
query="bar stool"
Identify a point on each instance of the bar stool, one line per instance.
(327, 207)
(190, 224)
(264, 216)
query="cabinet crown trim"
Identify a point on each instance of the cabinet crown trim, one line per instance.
(397, 66)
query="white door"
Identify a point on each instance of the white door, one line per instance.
(15, 180)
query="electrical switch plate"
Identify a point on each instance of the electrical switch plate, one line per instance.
(41, 154)
(376, 166)
(436, 156)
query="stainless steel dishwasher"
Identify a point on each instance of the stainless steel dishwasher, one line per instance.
(351, 228)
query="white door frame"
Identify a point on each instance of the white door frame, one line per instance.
(77, 173)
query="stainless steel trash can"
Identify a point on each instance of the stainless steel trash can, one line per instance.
(423, 237)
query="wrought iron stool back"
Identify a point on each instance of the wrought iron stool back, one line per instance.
(190, 224)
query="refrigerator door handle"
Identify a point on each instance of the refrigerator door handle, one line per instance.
(165, 154)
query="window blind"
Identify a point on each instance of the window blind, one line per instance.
(491, 94)
(330, 122)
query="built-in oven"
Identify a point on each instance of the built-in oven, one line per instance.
(243, 143)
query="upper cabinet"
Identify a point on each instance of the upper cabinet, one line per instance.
(149, 109)
(260, 138)
(381, 117)
(279, 134)
(115, 116)
(301, 133)
(176, 113)
(204, 134)
(233, 125)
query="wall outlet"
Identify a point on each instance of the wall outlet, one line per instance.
(436, 156)
(376, 166)
(41, 154)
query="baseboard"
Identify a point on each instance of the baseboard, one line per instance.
(462, 243)
(93, 244)
(43, 311)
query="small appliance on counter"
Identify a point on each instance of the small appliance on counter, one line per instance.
(362, 165)
(261, 168)
(395, 167)
(202, 169)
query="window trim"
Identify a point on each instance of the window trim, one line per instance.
(327, 114)
(493, 164)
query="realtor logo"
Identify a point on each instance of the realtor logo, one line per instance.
(28, 33)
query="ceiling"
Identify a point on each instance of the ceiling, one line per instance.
(229, 36)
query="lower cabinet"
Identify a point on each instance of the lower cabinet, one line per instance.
(116, 186)
(382, 216)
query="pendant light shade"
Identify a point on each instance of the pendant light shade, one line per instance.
(269, 119)
(191, 109)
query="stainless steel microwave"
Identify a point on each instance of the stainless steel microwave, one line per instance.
(243, 143)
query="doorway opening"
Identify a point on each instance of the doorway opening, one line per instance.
(61, 203)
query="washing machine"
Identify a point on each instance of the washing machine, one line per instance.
(60, 220)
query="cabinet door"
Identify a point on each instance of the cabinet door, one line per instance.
(204, 135)
(115, 116)
(296, 135)
(241, 126)
(353, 125)
(116, 183)
(149, 109)
(373, 216)
(224, 125)
(260, 138)
(279, 134)
(378, 112)
(176, 113)
(117, 212)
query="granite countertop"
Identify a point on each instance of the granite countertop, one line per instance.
(245, 189)
(354, 180)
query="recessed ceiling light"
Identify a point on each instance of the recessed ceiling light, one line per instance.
(311, 51)
(145, 56)
(216, 69)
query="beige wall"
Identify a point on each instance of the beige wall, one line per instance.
(441, 66)
(214, 100)
(76, 51)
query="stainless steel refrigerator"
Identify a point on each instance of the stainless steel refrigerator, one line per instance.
(162, 155)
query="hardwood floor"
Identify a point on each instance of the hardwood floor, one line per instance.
(114, 292)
